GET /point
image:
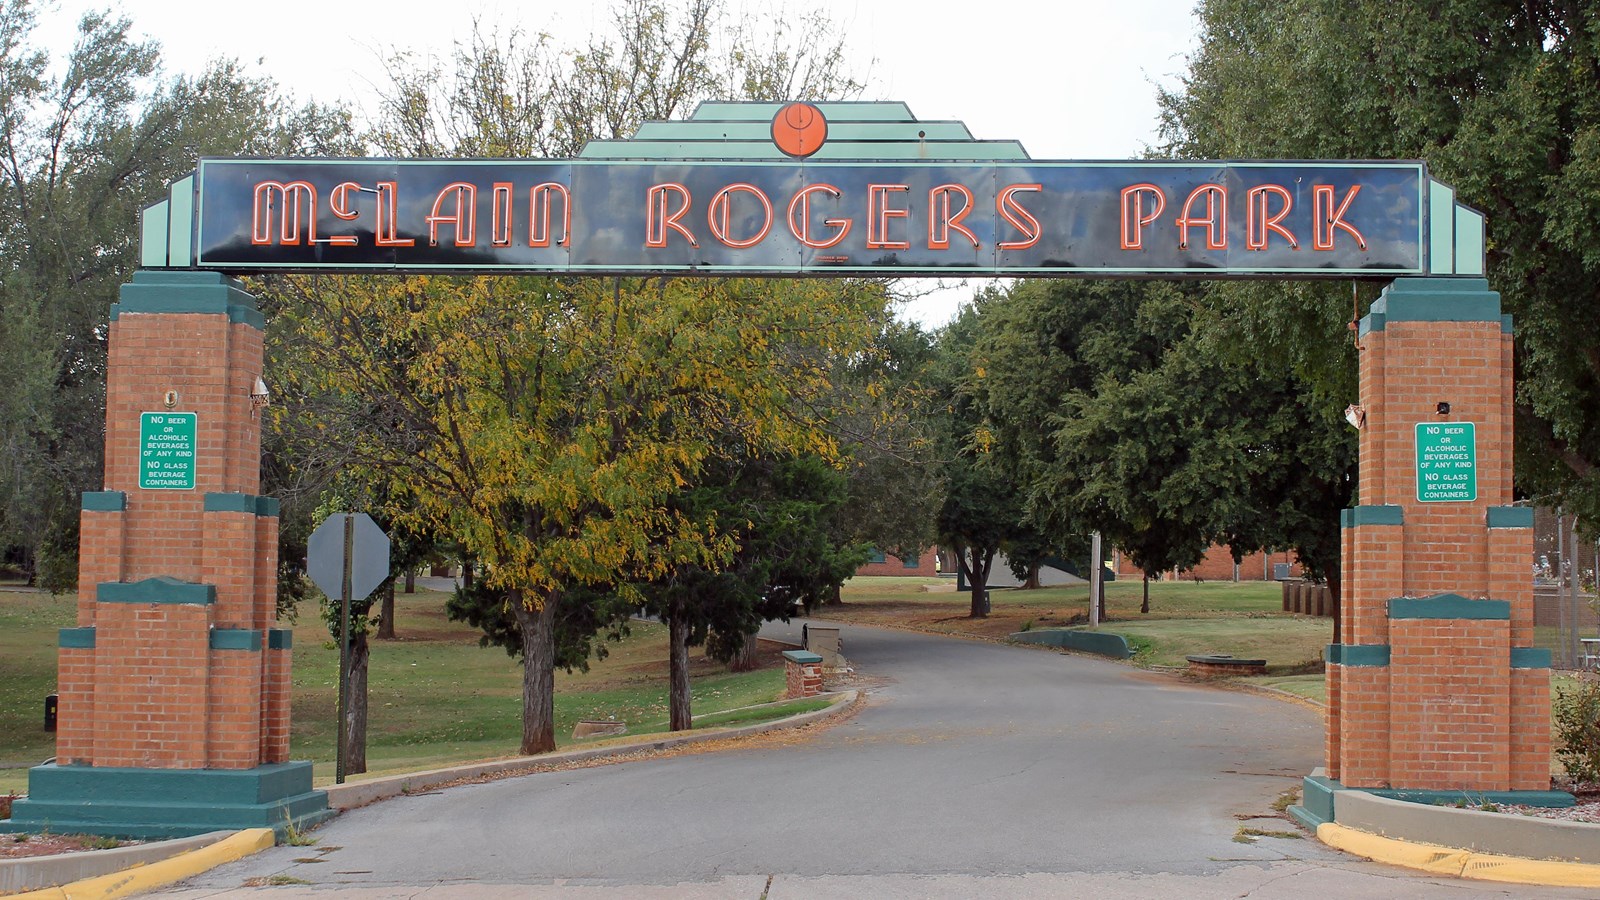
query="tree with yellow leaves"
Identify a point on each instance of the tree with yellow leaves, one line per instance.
(549, 423)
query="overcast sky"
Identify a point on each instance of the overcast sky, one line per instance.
(1070, 79)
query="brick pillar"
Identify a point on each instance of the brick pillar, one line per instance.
(802, 674)
(174, 686)
(1436, 686)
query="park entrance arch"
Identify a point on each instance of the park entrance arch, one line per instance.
(174, 685)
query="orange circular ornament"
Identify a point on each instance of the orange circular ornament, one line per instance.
(799, 130)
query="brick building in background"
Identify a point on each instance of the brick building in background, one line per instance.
(925, 563)
(1218, 566)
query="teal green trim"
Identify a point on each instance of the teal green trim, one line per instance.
(1357, 516)
(1510, 517)
(742, 131)
(1433, 300)
(235, 639)
(1366, 655)
(1100, 643)
(1506, 324)
(1530, 658)
(163, 803)
(156, 590)
(180, 223)
(77, 638)
(1372, 321)
(834, 111)
(266, 507)
(1319, 799)
(1469, 242)
(104, 501)
(846, 132)
(153, 235)
(1546, 799)
(945, 151)
(1448, 606)
(1441, 229)
(801, 656)
(280, 639)
(245, 503)
(1316, 799)
(188, 292)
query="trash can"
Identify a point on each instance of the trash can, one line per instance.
(988, 607)
(50, 702)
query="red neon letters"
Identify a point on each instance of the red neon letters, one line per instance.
(1267, 208)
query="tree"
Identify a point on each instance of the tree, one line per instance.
(1121, 412)
(981, 507)
(1500, 99)
(778, 510)
(546, 423)
(888, 420)
(80, 153)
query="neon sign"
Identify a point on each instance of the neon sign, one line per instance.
(807, 217)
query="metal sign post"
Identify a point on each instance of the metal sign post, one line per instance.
(1095, 574)
(347, 557)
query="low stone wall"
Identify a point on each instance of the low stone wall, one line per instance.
(1099, 643)
(1220, 666)
(1503, 834)
(802, 672)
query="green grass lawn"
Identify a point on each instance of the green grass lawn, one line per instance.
(28, 636)
(1186, 617)
(434, 696)
(1311, 687)
(1287, 643)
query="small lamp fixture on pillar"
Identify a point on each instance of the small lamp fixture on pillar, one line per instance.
(260, 398)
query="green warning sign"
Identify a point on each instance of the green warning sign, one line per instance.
(1447, 462)
(166, 451)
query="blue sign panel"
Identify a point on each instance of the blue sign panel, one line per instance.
(806, 217)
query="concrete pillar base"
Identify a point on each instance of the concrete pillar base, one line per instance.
(166, 803)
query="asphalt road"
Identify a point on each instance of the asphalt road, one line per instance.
(974, 770)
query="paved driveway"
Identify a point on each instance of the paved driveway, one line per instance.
(976, 769)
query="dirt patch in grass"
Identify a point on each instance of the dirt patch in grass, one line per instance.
(20, 846)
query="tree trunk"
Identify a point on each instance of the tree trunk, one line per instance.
(411, 581)
(386, 614)
(1145, 606)
(835, 596)
(355, 719)
(1032, 581)
(466, 573)
(678, 693)
(1335, 589)
(980, 584)
(538, 672)
(745, 660)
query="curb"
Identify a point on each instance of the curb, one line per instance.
(1458, 863)
(30, 873)
(159, 874)
(351, 795)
